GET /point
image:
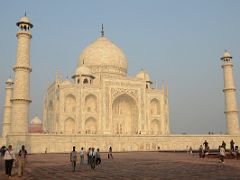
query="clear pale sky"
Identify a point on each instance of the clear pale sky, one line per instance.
(180, 42)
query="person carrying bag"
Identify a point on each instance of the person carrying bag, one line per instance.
(9, 158)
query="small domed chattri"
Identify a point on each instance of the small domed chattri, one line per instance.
(9, 81)
(143, 75)
(83, 70)
(24, 21)
(226, 54)
(36, 120)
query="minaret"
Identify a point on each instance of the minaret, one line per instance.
(231, 108)
(7, 108)
(22, 69)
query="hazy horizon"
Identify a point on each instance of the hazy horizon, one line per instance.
(178, 42)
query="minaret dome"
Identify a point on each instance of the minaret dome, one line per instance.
(226, 56)
(24, 23)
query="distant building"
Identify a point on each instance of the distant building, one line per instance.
(36, 126)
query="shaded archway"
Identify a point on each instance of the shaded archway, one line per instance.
(154, 107)
(155, 126)
(91, 126)
(70, 104)
(69, 126)
(125, 115)
(91, 103)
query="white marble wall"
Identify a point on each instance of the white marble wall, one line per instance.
(37, 143)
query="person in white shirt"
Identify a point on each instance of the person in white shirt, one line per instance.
(221, 154)
(98, 157)
(94, 152)
(82, 155)
(9, 158)
(110, 153)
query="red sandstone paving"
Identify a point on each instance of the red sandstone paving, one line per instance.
(140, 165)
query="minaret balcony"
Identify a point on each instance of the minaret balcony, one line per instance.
(27, 68)
(24, 33)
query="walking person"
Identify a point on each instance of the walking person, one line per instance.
(73, 159)
(232, 145)
(89, 156)
(221, 154)
(9, 158)
(22, 157)
(190, 150)
(187, 149)
(93, 159)
(110, 153)
(201, 152)
(98, 157)
(81, 156)
(224, 145)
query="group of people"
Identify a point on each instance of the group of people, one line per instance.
(204, 150)
(11, 160)
(233, 151)
(93, 157)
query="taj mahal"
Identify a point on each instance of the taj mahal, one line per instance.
(102, 99)
(101, 105)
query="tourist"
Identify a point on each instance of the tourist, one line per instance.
(205, 144)
(89, 155)
(22, 157)
(9, 158)
(206, 148)
(110, 153)
(73, 159)
(201, 152)
(221, 154)
(98, 157)
(236, 152)
(3, 149)
(81, 156)
(190, 150)
(224, 145)
(187, 149)
(93, 158)
(232, 145)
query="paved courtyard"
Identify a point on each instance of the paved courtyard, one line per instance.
(140, 165)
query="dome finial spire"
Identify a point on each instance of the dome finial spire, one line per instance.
(25, 14)
(102, 32)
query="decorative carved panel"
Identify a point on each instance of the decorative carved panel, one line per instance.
(115, 92)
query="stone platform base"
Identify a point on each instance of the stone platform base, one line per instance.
(55, 143)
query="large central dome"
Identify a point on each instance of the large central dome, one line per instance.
(104, 53)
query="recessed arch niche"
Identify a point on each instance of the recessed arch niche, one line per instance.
(124, 115)
(70, 104)
(155, 126)
(155, 107)
(69, 126)
(91, 126)
(91, 104)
